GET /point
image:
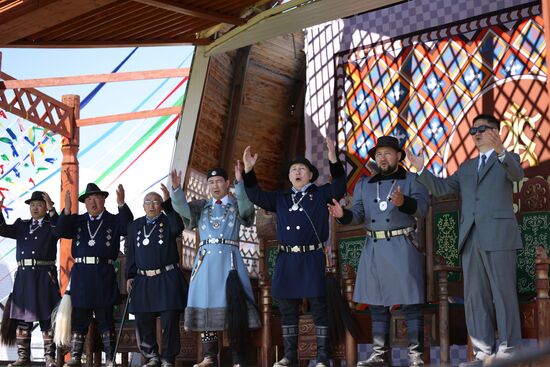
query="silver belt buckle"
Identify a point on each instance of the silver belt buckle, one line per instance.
(295, 249)
(150, 273)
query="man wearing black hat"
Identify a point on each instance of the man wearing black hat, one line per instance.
(489, 238)
(36, 288)
(219, 272)
(155, 280)
(93, 285)
(302, 230)
(391, 267)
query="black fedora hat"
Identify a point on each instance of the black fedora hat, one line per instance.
(91, 189)
(387, 141)
(36, 195)
(306, 162)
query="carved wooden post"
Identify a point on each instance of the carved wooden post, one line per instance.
(348, 279)
(543, 299)
(265, 307)
(69, 181)
(444, 317)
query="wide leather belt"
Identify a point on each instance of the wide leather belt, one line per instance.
(91, 260)
(34, 262)
(390, 233)
(153, 272)
(301, 248)
(220, 241)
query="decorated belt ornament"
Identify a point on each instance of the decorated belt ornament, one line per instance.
(390, 233)
(219, 241)
(92, 260)
(199, 263)
(153, 272)
(301, 248)
(34, 262)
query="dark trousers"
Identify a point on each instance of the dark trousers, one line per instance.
(45, 325)
(289, 310)
(169, 323)
(81, 318)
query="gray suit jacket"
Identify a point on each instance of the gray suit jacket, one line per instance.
(486, 200)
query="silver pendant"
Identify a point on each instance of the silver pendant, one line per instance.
(160, 242)
(383, 205)
(145, 242)
(294, 207)
(91, 242)
(216, 224)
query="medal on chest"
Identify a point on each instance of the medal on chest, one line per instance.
(91, 241)
(383, 204)
(216, 221)
(296, 204)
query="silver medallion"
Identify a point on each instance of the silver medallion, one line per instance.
(160, 242)
(383, 205)
(145, 242)
(215, 224)
(294, 207)
(91, 243)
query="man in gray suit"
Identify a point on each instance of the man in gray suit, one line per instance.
(488, 238)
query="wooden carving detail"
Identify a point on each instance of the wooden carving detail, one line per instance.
(535, 195)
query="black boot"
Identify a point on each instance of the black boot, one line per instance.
(381, 353)
(290, 343)
(323, 346)
(49, 348)
(209, 349)
(77, 346)
(23, 341)
(109, 341)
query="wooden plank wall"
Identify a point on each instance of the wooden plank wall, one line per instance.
(273, 75)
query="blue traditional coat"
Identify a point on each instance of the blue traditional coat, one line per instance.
(206, 305)
(391, 270)
(36, 288)
(167, 290)
(95, 285)
(300, 274)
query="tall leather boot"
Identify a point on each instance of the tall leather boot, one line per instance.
(323, 346)
(77, 346)
(415, 333)
(290, 343)
(109, 342)
(381, 353)
(209, 349)
(49, 348)
(23, 342)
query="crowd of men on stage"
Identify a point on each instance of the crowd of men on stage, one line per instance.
(218, 296)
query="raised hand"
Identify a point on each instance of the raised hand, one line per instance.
(397, 197)
(335, 209)
(249, 160)
(331, 150)
(129, 284)
(120, 195)
(493, 137)
(1, 201)
(48, 200)
(239, 171)
(417, 161)
(175, 177)
(67, 209)
(165, 192)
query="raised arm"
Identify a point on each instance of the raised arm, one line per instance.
(125, 215)
(264, 199)
(7, 230)
(246, 207)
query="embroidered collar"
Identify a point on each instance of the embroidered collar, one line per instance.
(400, 174)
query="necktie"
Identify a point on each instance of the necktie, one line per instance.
(483, 161)
(93, 217)
(218, 202)
(35, 222)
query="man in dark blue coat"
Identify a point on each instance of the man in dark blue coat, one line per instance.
(36, 288)
(93, 285)
(302, 231)
(155, 281)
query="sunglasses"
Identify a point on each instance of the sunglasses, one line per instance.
(481, 128)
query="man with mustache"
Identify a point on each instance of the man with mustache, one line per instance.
(36, 288)
(93, 284)
(391, 267)
(302, 231)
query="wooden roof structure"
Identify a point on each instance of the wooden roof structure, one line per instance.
(116, 23)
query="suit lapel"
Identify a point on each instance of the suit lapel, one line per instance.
(487, 167)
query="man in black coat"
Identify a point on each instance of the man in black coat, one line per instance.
(36, 288)
(155, 282)
(93, 285)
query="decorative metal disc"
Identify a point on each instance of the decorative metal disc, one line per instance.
(295, 207)
(216, 224)
(383, 205)
(145, 242)
(91, 243)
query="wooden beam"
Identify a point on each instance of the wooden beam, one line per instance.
(95, 78)
(26, 43)
(193, 11)
(28, 17)
(231, 125)
(129, 116)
